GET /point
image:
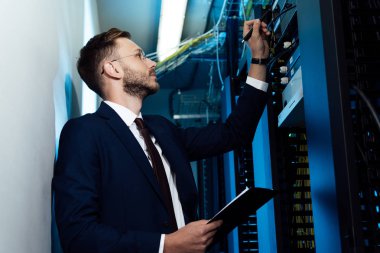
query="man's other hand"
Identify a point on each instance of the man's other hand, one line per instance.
(192, 238)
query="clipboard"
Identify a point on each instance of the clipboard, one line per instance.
(238, 210)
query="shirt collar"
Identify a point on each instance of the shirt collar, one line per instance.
(125, 114)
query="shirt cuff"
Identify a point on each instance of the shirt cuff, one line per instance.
(257, 83)
(161, 249)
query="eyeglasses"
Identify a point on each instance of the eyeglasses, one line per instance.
(140, 54)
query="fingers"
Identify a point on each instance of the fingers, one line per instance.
(214, 225)
(211, 231)
(209, 238)
(257, 25)
(206, 228)
(251, 24)
(194, 237)
(247, 26)
(264, 28)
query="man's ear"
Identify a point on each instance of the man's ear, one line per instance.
(112, 69)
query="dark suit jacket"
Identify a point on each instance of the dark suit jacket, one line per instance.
(107, 198)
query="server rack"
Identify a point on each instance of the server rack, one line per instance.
(361, 28)
(324, 151)
(289, 150)
(333, 127)
(339, 45)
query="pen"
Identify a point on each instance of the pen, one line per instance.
(249, 34)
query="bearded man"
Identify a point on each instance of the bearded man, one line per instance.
(123, 181)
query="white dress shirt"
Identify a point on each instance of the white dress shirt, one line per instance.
(129, 119)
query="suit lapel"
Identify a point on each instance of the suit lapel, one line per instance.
(129, 141)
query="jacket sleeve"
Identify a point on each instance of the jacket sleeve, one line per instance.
(76, 185)
(238, 129)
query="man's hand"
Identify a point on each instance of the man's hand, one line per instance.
(258, 45)
(257, 42)
(194, 237)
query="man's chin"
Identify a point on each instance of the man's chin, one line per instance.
(152, 90)
(155, 86)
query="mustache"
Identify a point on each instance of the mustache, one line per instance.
(152, 72)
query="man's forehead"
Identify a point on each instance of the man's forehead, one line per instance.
(127, 44)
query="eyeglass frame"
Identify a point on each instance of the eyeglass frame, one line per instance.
(140, 53)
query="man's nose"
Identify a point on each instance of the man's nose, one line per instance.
(150, 63)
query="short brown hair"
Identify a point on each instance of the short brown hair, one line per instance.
(97, 49)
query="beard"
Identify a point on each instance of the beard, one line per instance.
(139, 84)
